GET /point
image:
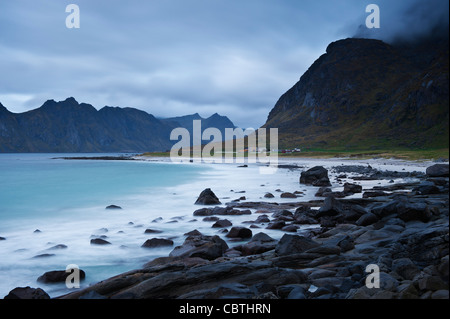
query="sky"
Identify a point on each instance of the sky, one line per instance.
(178, 57)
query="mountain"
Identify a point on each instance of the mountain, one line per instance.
(216, 121)
(367, 94)
(69, 126)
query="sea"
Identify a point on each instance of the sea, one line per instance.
(50, 209)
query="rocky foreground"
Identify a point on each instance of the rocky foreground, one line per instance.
(400, 230)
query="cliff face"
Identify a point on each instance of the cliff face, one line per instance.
(69, 126)
(368, 94)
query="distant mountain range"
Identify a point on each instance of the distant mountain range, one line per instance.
(70, 127)
(361, 94)
(366, 94)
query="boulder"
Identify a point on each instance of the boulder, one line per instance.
(157, 242)
(438, 170)
(222, 223)
(352, 188)
(152, 231)
(239, 232)
(330, 207)
(288, 195)
(293, 244)
(207, 197)
(259, 244)
(113, 207)
(367, 219)
(206, 247)
(27, 293)
(413, 211)
(316, 176)
(99, 241)
(269, 195)
(57, 276)
(405, 268)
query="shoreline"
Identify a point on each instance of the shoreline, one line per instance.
(326, 262)
(309, 272)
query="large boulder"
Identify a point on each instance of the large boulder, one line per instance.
(206, 247)
(207, 197)
(157, 242)
(352, 188)
(58, 276)
(239, 232)
(316, 176)
(413, 211)
(293, 244)
(259, 244)
(99, 241)
(27, 293)
(438, 170)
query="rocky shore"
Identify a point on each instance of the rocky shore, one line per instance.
(396, 236)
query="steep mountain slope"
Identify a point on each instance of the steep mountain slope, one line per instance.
(366, 94)
(69, 126)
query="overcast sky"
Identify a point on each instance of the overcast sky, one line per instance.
(178, 57)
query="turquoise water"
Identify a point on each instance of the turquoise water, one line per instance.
(66, 200)
(37, 185)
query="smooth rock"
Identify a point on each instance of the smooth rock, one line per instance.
(293, 244)
(239, 232)
(438, 170)
(27, 293)
(207, 197)
(316, 176)
(157, 242)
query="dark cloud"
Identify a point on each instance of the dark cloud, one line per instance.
(409, 20)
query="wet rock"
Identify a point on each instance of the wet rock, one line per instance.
(367, 219)
(58, 247)
(269, 195)
(324, 192)
(157, 242)
(207, 197)
(438, 170)
(58, 276)
(44, 255)
(405, 268)
(113, 207)
(293, 244)
(330, 207)
(276, 225)
(432, 283)
(413, 211)
(222, 223)
(370, 194)
(352, 188)
(239, 232)
(259, 244)
(27, 293)
(290, 228)
(288, 195)
(99, 241)
(152, 231)
(206, 247)
(316, 176)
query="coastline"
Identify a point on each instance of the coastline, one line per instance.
(308, 273)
